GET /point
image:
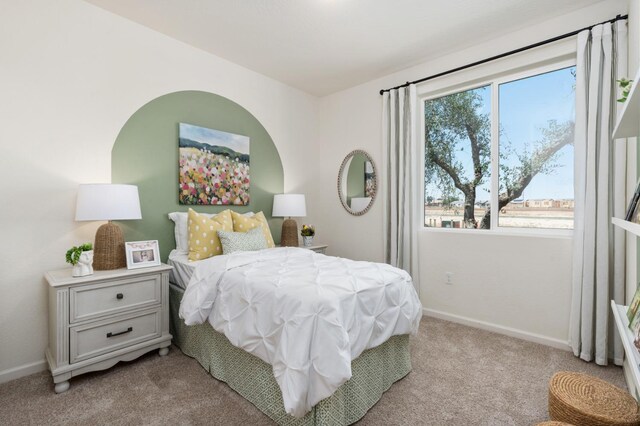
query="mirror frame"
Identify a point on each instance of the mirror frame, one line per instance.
(340, 179)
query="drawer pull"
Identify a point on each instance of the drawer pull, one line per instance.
(119, 296)
(128, 330)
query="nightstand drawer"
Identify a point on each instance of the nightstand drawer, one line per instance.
(90, 340)
(94, 301)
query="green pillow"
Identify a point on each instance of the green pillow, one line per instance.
(242, 241)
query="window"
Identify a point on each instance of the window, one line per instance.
(526, 126)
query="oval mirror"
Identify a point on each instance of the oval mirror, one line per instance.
(357, 182)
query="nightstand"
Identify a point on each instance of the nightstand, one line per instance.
(101, 319)
(318, 248)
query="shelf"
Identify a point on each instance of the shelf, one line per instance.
(633, 356)
(628, 122)
(632, 227)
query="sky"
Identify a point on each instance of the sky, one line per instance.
(238, 143)
(525, 107)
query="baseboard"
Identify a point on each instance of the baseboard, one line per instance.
(23, 370)
(508, 331)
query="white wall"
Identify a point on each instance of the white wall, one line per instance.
(634, 36)
(520, 285)
(71, 74)
(632, 147)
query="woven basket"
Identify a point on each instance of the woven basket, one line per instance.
(554, 423)
(583, 400)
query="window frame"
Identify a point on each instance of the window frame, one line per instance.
(506, 70)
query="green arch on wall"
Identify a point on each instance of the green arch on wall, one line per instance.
(146, 154)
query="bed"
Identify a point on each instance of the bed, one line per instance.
(230, 307)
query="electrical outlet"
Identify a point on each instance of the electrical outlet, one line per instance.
(448, 278)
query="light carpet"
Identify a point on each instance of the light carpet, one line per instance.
(461, 376)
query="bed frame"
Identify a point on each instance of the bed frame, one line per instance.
(373, 372)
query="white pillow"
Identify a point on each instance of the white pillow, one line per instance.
(180, 229)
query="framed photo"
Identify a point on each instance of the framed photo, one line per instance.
(142, 254)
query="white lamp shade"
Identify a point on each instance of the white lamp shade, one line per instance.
(368, 167)
(104, 201)
(289, 205)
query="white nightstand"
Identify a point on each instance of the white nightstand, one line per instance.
(110, 316)
(318, 248)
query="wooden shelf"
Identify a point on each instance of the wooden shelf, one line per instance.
(628, 124)
(632, 227)
(633, 356)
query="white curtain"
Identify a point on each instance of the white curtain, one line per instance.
(402, 180)
(599, 247)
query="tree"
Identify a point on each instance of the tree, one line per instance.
(457, 130)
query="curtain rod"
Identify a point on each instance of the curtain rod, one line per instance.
(502, 55)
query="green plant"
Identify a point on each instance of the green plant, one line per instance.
(308, 231)
(625, 85)
(73, 254)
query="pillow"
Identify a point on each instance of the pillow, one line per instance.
(180, 229)
(203, 233)
(243, 223)
(242, 241)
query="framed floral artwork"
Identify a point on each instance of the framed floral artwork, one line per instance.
(214, 167)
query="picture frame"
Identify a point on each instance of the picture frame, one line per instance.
(632, 310)
(214, 167)
(632, 208)
(633, 314)
(634, 326)
(142, 254)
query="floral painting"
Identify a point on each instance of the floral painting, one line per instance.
(214, 167)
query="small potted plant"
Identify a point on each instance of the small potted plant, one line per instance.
(307, 232)
(625, 86)
(81, 258)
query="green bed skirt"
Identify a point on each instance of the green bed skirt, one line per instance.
(373, 372)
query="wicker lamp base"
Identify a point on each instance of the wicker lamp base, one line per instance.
(289, 236)
(108, 250)
(583, 400)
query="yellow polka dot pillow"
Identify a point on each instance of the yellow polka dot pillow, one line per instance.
(203, 233)
(242, 223)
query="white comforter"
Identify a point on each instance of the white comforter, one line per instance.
(306, 314)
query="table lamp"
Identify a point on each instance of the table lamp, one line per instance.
(108, 202)
(289, 205)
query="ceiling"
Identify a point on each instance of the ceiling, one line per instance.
(323, 46)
